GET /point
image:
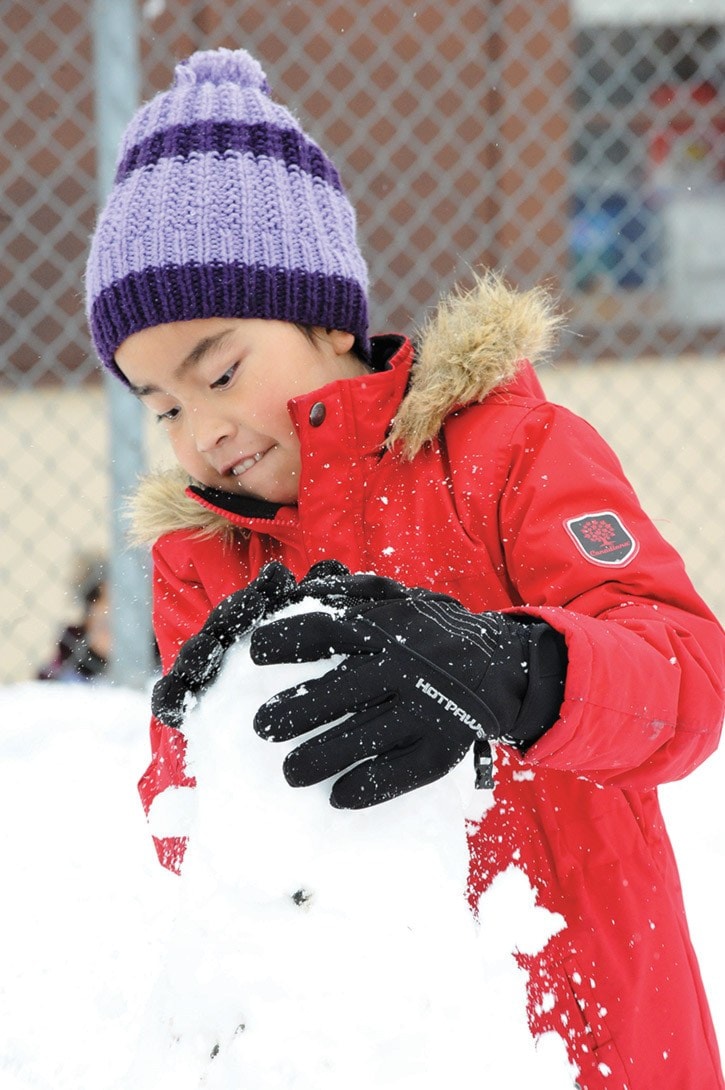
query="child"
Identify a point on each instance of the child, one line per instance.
(226, 289)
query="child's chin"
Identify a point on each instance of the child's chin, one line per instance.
(275, 493)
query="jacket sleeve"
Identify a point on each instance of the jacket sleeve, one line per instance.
(643, 701)
(180, 607)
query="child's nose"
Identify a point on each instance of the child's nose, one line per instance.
(209, 430)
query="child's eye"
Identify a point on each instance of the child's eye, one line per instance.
(225, 379)
(170, 414)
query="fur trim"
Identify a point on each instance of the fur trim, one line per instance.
(161, 505)
(475, 341)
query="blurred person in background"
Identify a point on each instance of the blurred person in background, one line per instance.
(84, 646)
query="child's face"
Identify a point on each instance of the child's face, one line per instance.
(220, 386)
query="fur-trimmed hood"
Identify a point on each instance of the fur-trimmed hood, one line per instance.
(474, 342)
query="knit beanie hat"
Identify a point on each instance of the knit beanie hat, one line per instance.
(222, 207)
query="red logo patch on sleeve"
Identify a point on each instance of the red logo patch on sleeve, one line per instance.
(602, 538)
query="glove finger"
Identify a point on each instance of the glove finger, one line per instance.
(169, 697)
(330, 580)
(342, 690)
(308, 637)
(325, 569)
(199, 660)
(196, 666)
(364, 735)
(275, 582)
(234, 616)
(391, 775)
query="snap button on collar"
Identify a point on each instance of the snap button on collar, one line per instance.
(318, 412)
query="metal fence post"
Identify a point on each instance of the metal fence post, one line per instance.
(117, 89)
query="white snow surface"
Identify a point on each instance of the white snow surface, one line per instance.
(116, 974)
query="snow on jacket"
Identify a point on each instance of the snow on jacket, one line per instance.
(452, 471)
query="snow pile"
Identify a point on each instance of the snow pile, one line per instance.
(116, 974)
(316, 948)
(82, 895)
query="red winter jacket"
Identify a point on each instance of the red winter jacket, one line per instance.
(494, 495)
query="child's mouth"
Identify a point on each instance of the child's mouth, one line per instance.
(246, 463)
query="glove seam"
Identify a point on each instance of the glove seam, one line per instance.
(417, 656)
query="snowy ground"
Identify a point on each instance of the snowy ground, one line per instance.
(117, 975)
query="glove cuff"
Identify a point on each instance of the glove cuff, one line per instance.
(541, 705)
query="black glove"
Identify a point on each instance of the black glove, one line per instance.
(424, 678)
(200, 659)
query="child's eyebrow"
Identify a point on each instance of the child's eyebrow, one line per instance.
(199, 352)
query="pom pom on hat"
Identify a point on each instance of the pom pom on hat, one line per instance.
(222, 206)
(221, 66)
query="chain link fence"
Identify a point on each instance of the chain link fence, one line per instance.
(534, 137)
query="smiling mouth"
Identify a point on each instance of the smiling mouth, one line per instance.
(247, 463)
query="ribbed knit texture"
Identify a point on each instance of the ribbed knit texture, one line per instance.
(222, 207)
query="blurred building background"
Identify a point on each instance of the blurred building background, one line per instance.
(576, 142)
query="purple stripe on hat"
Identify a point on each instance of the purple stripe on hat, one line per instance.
(258, 139)
(175, 293)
